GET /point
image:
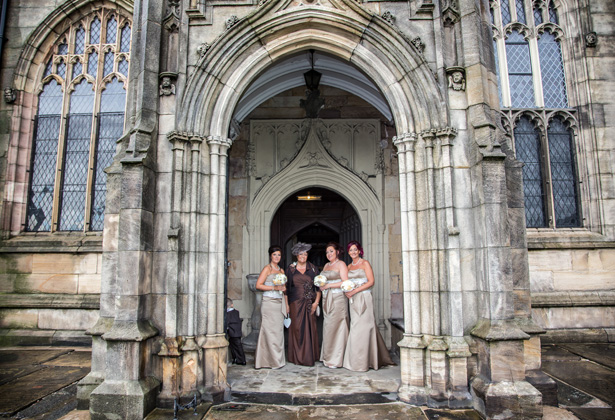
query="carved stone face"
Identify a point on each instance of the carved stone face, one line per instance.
(166, 82)
(457, 77)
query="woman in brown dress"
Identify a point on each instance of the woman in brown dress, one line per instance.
(303, 299)
(270, 345)
(365, 348)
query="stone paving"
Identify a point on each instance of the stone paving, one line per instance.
(40, 383)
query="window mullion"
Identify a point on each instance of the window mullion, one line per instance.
(57, 199)
(90, 181)
(550, 204)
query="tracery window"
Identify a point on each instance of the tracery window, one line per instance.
(80, 117)
(535, 108)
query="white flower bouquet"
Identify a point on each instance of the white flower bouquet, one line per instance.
(279, 280)
(348, 286)
(320, 280)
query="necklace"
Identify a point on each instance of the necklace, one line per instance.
(358, 261)
(332, 263)
(274, 267)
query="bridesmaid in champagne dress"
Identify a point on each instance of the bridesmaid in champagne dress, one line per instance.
(335, 309)
(365, 348)
(270, 346)
(303, 299)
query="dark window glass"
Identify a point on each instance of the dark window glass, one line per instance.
(80, 41)
(48, 68)
(44, 156)
(76, 158)
(561, 152)
(505, 7)
(552, 13)
(95, 31)
(552, 71)
(519, 71)
(111, 31)
(527, 148)
(108, 64)
(61, 69)
(537, 16)
(122, 66)
(520, 11)
(125, 39)
(110, 129)
(77, 69)
(93, 64)
(63, 48)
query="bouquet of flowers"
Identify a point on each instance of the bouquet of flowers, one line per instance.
(320, 280)
(279, 280)
(348, 286)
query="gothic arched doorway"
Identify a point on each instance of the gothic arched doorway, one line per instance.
(315, 216)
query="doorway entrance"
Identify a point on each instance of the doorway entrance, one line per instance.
(315, 216)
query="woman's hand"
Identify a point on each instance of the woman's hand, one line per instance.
(351, 293)
(325, 286)
(314, 306)
(280, 288)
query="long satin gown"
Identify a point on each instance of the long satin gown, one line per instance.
(303, 333)
(335, 323)
(365, 348)
(270, 346)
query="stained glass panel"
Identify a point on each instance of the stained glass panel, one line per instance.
(108, 64)
(45, 149)
(111, 31)
(76, 158)
(93, 64)
(95, 31)
(527, 148)
(80, 41)
(125, 39)
(563, 176)
(519, 71)
(552, 70)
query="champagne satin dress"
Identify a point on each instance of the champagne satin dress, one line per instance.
(365, 348)
(270, 346)
(335, 323)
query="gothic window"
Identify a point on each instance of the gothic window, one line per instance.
(80, 117)
(534, 100)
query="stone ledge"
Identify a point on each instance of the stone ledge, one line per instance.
(566, 239)
(573, 299)
(53, 243)
(579, 335)
(15, 337)
(50, 301)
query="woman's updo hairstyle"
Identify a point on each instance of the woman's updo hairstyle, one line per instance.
(274, 248)
(337, 247)
(358, 245)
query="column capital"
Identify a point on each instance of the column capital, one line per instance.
(405, 142)
(219, 141)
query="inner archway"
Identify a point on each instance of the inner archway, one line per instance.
(316, 216)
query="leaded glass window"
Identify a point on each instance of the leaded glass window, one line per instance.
(78, 123)
(534, 101)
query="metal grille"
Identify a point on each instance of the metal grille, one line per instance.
(61, 69)
(552, 13)
(552, 70)
(47, 131)
(77, 69)
(93, 64)
(125, 39)
(76, 158)
(111, 31)
(537, 16)
(563, 175)
(95, 31)
(505, 7)
(80, 41)
(520, 11)
(527, 148)
(122, 66)
(108, 64)
(519, 71)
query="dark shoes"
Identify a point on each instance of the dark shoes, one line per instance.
(235, 362)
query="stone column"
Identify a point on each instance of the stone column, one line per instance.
(412, 347)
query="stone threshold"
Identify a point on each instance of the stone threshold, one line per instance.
(22, 337)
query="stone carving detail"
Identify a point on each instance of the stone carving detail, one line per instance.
(9, 95)
(314, 159)
(167, 87)
(379, 164)
(456, 78)
(250, 159)
(389, 17)
(450, 12)
(232, 21)
(418, 43)
(591, 39)
(171, 20)
(261, 3)
(202, 49)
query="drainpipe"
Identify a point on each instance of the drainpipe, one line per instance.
(2, 22)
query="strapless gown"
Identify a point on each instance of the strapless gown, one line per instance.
(335, 323)
(270, 346)
(365, 348)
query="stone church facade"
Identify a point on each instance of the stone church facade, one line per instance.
(151, 151)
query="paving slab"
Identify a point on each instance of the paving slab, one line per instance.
(602, 353)
(74, 358)
(15, 363)
(593, 413)
(556, 353)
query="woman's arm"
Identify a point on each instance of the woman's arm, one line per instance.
(260, 282)
(369, 273)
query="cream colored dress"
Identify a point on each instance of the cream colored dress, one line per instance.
(365, 348)
(270, 346)
(335, 323)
